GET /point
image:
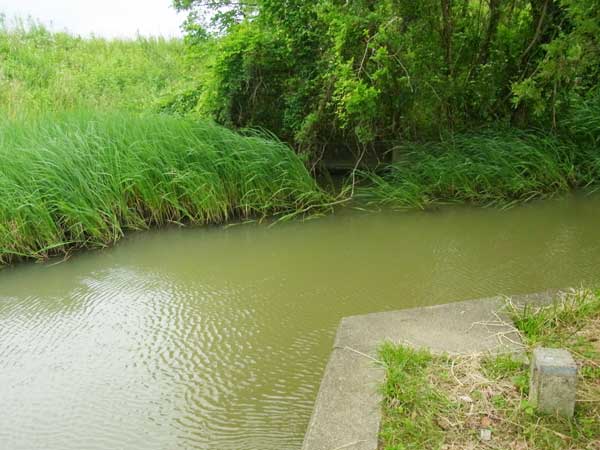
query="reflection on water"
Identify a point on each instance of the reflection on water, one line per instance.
(217, 338)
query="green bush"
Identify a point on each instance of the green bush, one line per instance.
(333, 74)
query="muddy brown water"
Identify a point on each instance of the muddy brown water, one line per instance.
(216, 338)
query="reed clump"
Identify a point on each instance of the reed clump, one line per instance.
(488, 168)
(83, 179)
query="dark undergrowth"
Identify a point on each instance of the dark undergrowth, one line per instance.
(502, 166)
(489, 168)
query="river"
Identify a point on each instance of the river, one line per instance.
(216, 338)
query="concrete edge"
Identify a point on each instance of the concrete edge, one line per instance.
(347, 414)
(535, 297)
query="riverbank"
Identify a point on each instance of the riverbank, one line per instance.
(82, 180)
(433, 401)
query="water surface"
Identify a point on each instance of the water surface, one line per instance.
(217, 338)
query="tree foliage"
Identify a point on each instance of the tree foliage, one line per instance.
(365, 74)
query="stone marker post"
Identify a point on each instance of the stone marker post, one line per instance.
(553, 381)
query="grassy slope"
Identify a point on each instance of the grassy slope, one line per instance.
(82, 179)
(42, 71)
(443, 402)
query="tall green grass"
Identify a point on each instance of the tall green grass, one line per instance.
(582, 123)
(489, 168)
(83, 180)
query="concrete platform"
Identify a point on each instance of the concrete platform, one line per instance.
(347, 411)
